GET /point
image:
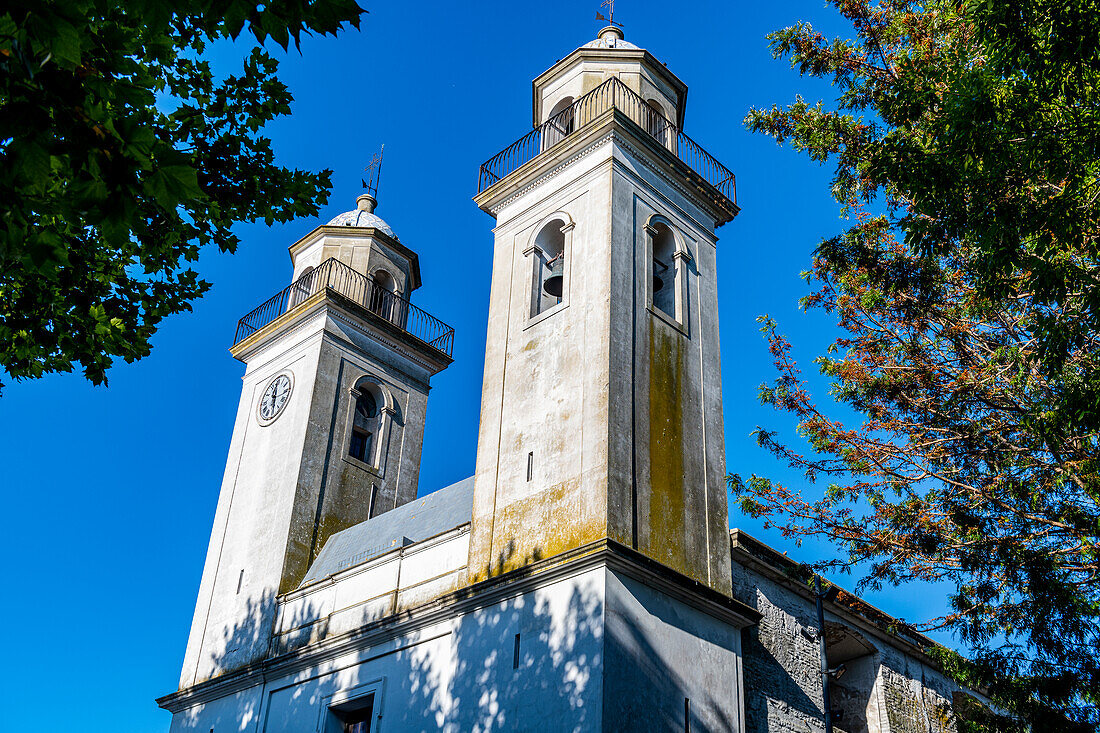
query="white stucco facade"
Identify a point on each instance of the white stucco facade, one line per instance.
(595, 643)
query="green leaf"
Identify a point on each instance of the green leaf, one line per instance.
(66, 45)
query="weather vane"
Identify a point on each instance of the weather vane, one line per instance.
(374, 173)
(610, 5)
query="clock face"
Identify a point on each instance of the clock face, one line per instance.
(275, 398)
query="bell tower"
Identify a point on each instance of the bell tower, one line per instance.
(328, 431)
(601, 411)
(602, 396)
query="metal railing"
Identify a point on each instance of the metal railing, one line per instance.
(611, 93)
(359, 288)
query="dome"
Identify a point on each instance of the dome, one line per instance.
(362, 216)
(357, 218)
(611, 37)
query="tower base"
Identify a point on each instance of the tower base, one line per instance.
(597, 639)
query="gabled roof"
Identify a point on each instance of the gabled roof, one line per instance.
(418, 520)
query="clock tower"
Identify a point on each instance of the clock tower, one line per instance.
(329, 428)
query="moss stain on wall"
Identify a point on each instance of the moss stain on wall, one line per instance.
(540, 526)
(666, 449)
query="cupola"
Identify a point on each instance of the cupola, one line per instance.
(363, 241)
(610, 54)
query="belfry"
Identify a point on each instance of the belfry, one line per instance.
(585, 578)
(601, 408)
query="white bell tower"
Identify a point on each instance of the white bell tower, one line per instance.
(329, 428)
(601, 412)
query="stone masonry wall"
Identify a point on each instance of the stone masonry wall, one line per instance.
(888, 690)
(782, 686)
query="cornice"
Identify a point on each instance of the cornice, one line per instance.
(539, 171)
(691, 195)
(340, 309)
(654, 149)
(288, 324)
(610, 126)
(602, 553)
(395, 345)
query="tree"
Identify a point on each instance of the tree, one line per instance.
(122, 155)
(966, 141)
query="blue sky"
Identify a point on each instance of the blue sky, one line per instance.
(110, 492)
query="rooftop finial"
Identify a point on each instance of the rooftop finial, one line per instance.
(610, 5)
(614, 30)
(367, 201)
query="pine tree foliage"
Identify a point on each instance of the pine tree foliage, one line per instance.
(122, 154)
(965, 140)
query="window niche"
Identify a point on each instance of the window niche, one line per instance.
(655, 122)
(855, 664)
(668, 269)
(560, 123)
(358, 721)
(549, 259)
(383, 295)
(368, 424)
(302, 288)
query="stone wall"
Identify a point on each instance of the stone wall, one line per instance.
(889, 685)
(782, 682)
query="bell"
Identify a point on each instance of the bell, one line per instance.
(658, 268)
(553, 284)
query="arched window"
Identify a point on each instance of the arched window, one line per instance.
(302, 288)
(665, 270)
(560, 123)
(550, 262)
(655, 122)
(366, 422)
(382, 294)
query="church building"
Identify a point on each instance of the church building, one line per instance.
(585, 578)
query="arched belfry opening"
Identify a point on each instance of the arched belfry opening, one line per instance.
(560, 122)
(655, 122)
(664, 270)
(302, 288)
(550, 263)
(383, 294)
(366, 421)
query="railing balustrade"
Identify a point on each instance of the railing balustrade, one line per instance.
(611, 93)
(359, 288)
